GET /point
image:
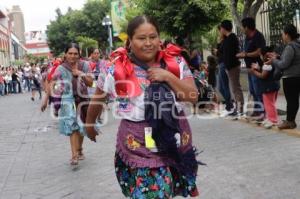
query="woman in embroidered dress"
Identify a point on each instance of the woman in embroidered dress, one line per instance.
(97, 66)
(68, 84)
(145, 169)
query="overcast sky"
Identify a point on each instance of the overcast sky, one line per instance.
(38, 13)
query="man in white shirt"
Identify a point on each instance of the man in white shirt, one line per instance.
(27, 71)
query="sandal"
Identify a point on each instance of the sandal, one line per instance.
(80, 155)
(74, 161)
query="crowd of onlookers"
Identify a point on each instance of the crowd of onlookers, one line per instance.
(20, 79)
(265, 65)
(31, 77)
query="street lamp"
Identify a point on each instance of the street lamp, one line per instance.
(107, 22)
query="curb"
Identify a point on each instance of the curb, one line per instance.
(290, 132)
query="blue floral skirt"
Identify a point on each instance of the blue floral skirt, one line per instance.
(68, 119)
(153, 183)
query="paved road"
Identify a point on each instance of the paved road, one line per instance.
(244, 161)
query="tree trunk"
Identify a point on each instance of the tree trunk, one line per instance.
(247, 8)
(251, 8)
(234, 12)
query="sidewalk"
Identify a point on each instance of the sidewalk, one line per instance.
(281, 105)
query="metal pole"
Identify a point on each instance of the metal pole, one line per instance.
(110, 38)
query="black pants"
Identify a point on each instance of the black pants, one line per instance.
(5, 88)
(19, 87)
(291, 88)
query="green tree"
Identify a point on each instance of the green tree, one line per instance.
(85, 43)
(184, 17)
(35, 59)
(17, 62)
(188, 19)
(86, 22)
(210, 39)
(95, 11)
(58, 32)
(30, 58)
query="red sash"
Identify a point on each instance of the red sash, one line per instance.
(127, 84)
(55, 65)
(169, 55)
(92, 65)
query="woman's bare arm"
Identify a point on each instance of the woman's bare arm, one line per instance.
(95, 108)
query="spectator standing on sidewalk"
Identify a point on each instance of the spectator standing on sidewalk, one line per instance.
(19, 79)
(3, 73)
(1, 84)
(195, 58)
(27, 72)
(223, 82)
(232, 65)
(8, 79)
(140, 170)
(252, 46)
(212, 70)
(289, 63)
(269, 88)
(14, 78)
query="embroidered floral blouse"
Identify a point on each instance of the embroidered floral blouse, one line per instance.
(133, 108)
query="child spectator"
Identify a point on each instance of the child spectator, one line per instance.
(201, 73)
(206, 92)
(212, 68)
(270, 88)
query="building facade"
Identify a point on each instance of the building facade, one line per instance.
(18, 25)
(18, 50)
(12, 36)
(4, 38)
(36, 44)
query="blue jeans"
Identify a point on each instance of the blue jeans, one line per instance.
(254, 89)
(27, 84)
(2, 89)
(14, 86)
(223, 86)
(9, 86)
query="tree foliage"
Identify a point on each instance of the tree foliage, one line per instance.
(184, 17)
(85, 43)
(35, 59)
(210, 39)
(86, 22)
